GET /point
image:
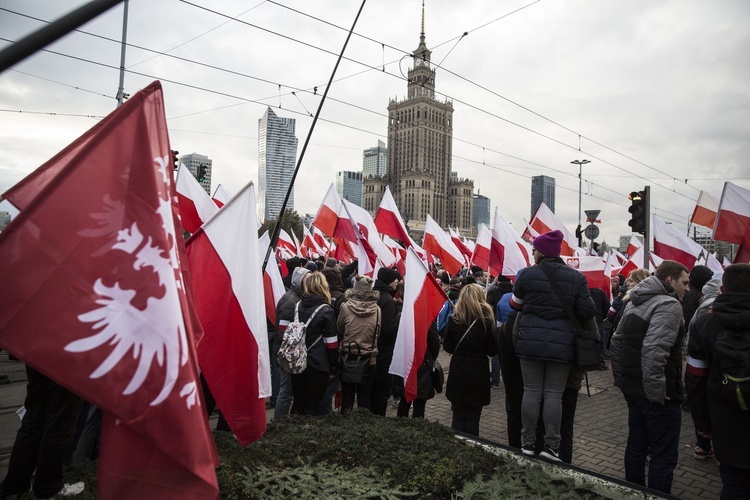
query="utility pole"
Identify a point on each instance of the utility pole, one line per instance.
(580, 164)
(121, 95)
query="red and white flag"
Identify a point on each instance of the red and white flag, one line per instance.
(620, 257)
(594, 269)
(671, 244)
(469, 244)
(633, 245)
(635, 262)
(286, 245)
(196, 207)
(221, 195)
(327, 216)
(654, 261)
(545, 221)
(714, 265)
(423, 299)
(733, 218)
(459, 243)
(705, 210)
(481, 255)
(98, 304)
(725, 262)
(225, 264)
(317, 235)
(507, 253)
(389, 222)
(356, 220)
(273, 285)
(301, 251)
(309, 242)
(440, 246)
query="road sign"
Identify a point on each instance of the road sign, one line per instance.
(591, 215)
(591, 232)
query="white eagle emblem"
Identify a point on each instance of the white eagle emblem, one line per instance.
(155, 332)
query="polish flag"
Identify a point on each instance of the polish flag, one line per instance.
(195, 205)
(733, 218)
(529, 233)
(286, 243)
(423, 299)
(440, 245)
(594, 270)
(655, 262)
(725, 262)
(671, 244)
(327, 216)
(714, 265)
(225, 260)
(99, 303)
(705, 210)
(389, 222)
(545, 221)
(221, 195)
(301, 252)
(635, 262)
(507, 255)
(743, 255)
(309, 242)
(320, 239)
(470, 245)
(481, 255)
(620, 257)
(633, 245)
(366, 232)
(459, 243)
(273, 285)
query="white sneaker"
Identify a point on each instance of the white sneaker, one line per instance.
(69, 490)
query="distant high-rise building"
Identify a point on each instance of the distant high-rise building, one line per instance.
(277, 154)
(200, 166)
(375, 161)
(349, 186)
(542, 190)
(4, 219)
(481, 211)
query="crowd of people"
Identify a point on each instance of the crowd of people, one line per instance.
(662, 336)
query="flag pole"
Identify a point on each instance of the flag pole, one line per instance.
(277, 227)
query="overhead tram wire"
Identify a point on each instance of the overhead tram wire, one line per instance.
(62, 83)
(247, 100)
(392, 74)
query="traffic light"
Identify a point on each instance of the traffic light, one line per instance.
(638, 211)
(201, 173)
(175, 160)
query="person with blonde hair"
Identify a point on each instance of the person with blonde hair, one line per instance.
(469, 338)
(322, 345)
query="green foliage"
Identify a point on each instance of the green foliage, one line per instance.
(290, 222)
(529, 481)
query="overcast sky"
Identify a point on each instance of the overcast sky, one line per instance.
(651, 92)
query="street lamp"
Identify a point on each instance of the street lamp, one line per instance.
(580, 164)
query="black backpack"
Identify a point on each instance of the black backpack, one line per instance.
(732, 359)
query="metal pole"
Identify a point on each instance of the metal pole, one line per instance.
(580, 174)
(121, 88)
(647, 233)
(53, 31)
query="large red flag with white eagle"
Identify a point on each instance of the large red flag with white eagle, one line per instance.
(671, 244)
(196, 207)
(225, 263)
(423, 299)
(98, 304)
(440, 245)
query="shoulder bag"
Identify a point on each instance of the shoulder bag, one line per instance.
(588, 344)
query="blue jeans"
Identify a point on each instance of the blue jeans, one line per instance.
(653, 430)
(496, 370)
(273, 348)
(285, 397)
(542, 380)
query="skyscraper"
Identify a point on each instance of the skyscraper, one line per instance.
(481, 211)
(375, 161)
(420, 142)
(200, 166)
(349, 186)
(542, 190)
(277, 153)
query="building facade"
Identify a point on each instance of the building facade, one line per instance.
(349, 186)
(420, 149)
(201, 167)
(542, 190)
(277, 154)
(375, 161)
(481, 214)
(4, 219)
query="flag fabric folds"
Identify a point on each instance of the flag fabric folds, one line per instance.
(440, 245)
(633, 245)
(273, 285)
(328, 213)
(733, 218)
(671, 244)
(545, 220)
(389, 222)
(508, 253)
(456, 238)
(99, 305)
(481, 255)
(225, 262)
(196, 207)
(221, 195)
(423, 299)
(705, 210)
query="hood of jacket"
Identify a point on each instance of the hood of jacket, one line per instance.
(297, 275)
(383, 288)
(309, 300)
(334, 279)
(362, 308)
(648, 288)
(732, 311)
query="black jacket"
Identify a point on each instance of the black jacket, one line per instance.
(389, 318)
(729, 426)
(545, 332)
(469, 373)
(323, 356)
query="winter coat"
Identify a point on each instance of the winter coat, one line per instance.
(496, 291)
(285, 306)
(602, 305)
(323, 356)
(469, 373)
(389, 317)
(425, 387)
(545, 332)
(359, 324)
(335, 287)
(728, 425)
(647, 345)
